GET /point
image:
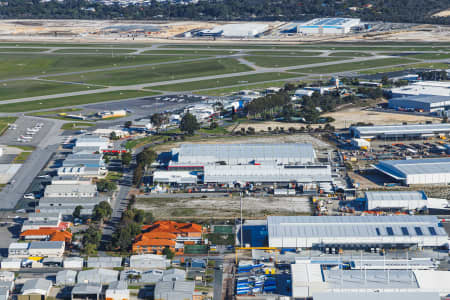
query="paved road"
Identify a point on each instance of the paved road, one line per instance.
(119, 205)
(218, 280)
(12, 193)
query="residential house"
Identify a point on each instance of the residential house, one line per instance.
(167, 234)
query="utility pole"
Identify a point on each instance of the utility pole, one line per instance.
(242, 231)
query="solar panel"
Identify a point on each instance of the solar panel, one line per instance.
(389, 231)
(418, 230)
(432, 230)
(405, 231)
(378, 231)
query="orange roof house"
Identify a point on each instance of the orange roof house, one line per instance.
(167, 234)
(61, 236)
(43, 234)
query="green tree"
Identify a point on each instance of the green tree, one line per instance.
(158, 120)
(126, 158)
(92, 236)
(104, 185)
(128, 124)
(77, 211)
(137, 175)
(189, 124)
(168, 253)
(102, 211)
(113, 136)
(146, 157)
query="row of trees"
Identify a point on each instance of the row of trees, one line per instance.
(143, 160)
(92, 236)
(415, 11)
(130, 226)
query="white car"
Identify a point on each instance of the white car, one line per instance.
(29, 196)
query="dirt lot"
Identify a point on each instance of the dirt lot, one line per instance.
(223, 207)
(344, 118)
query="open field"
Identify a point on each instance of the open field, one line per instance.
(350, 54)
(284, 53)
(22, 157)
(338, 46)
(345, 118)
(356, 65)
(160, 73)
(206, 84)
(31, 88)
(73, 101)
(406, 67)
(279, 61)
(4, 121)
(75, 126)
(190, 52)
(54, 112)
(17, 49)
(229, 90)
(16, 65)
(111, 51)
(225, 207)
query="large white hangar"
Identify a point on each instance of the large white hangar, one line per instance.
(417, 171)
(237, 154)
(400, 131)
(387, 200)
(247, 163)
(328, 26)
(267, 174)
(355, 232)
(426, 103)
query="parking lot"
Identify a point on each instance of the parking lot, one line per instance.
(26, 133)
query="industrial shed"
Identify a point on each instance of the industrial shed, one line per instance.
(118, 291)
(149, 261)
(427, 103)
(174, 290)
(86, 291)
(66, 277)
(417, 171)
(355, 232)
(104, 262)
(37, 287)
(233, 154)
(395, 200)
(328, 26)
(101, 276)
(267, 174)
(179, 177)
(400, 131)
(73, 263)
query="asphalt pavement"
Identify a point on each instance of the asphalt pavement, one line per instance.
(12, 193)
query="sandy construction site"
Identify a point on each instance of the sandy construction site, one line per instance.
(223, 207)
(106, 31)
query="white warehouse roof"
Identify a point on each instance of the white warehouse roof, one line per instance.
(392, 199)
(417, 171)
(245, 153)
(266, 173)
(309, 231)
(411, 129)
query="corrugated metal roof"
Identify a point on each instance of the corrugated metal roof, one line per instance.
(402, 129)
(203, 153)
(403, 168)
(266, 173)
(47, 245)
(395, 195)
(339, 295)
(352, 226)
(87, 289)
